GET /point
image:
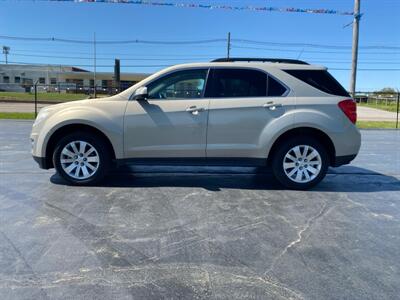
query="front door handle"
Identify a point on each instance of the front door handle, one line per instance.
(272, 106)
(194, 110)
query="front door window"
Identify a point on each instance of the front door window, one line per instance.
(187, 84)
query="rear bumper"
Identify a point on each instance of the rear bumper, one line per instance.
(42, 162)
(343, 160)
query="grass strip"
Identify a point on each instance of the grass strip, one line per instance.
(376, 125)
(17, 115)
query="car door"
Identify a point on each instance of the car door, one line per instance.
(243, 102)
(172, 120)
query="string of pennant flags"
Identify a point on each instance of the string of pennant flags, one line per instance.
(218, 7)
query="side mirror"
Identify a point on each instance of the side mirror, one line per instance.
(140, 94)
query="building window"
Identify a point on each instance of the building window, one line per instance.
(17, 79)
(104, 83)
(6, 79)
(42, 80)
(53, 80)
(91, 83)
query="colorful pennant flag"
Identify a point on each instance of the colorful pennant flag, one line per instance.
(212, 6)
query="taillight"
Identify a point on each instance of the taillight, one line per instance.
(349, 108)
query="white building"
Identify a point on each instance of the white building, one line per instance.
(15, 77)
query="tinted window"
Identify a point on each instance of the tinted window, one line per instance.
(320, 79)
(233, 83)
(188, 84)
(275, 89)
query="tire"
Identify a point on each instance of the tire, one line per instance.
(93, 162)
(293, 169)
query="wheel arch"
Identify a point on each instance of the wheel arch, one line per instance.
(322, 137)
(70, 128)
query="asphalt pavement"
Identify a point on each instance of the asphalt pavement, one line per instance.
(200, 233)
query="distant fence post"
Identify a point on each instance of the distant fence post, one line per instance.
(397, 110)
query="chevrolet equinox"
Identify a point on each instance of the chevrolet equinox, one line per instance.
(286, 114)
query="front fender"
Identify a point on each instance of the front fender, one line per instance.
(110, 124)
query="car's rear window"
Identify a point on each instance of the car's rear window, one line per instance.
(320, 79)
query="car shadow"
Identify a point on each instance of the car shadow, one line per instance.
(343, 179)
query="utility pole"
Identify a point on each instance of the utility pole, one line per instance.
(356, 28)
(6, 51)
(117, 76)
(94, 65)
(228, 54)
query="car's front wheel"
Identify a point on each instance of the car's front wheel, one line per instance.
(300, 163)
(81, 158)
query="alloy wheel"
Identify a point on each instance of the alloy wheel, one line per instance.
(79, 160)
(302, 163)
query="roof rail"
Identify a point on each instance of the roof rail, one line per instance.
(274, 60)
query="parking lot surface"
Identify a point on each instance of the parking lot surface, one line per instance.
(199, 233)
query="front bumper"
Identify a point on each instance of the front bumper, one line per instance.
(42, 162)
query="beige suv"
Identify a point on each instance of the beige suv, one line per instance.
(286, 114)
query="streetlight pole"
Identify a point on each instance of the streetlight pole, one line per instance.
(356, 28)
(6, 51)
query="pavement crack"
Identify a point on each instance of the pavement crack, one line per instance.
(300, 237)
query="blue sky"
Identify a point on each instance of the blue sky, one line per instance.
(380, 26)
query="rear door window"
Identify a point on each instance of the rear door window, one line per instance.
(237, 83)
(275, 88)
(321, 80)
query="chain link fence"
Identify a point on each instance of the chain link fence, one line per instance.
(28, 98)
(383, 106)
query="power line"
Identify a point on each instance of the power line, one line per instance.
(154, 66)
(246, 41)
(116, 54)
(193, 42)
(102, 58)
(318, 60)
(83, 65)
(105, 42)
(312, 51)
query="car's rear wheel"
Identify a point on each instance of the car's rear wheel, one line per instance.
(300, 163)
(81, 158)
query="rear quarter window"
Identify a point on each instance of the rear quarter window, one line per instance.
(321, 80)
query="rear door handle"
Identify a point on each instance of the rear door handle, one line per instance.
(272, 105)
(194, 110)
